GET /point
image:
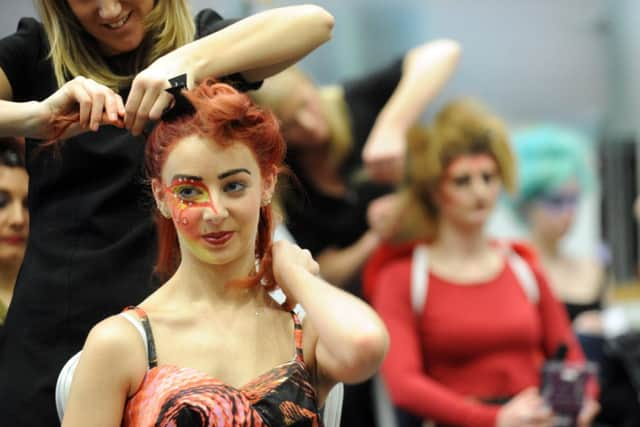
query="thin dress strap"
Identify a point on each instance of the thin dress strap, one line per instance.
(151, 344)
(297, 331)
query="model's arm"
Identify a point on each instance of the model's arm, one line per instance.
(349, 339)
(425, 70)
(256, 47)
(110, 368)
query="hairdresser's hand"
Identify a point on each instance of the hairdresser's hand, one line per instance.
(84, 104)
(588, 412)
(383, 215)
(526, 409)
(384, 154)
(290, 264)
(148, 99)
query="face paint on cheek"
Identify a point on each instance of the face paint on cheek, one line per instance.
(186, 218)
(187, 209)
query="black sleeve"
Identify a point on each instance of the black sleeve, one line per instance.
(208, 22)
(21, 53)
(366, 96)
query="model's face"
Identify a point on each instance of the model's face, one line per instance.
(14, 216)
(303, 121)
(552, 214)
(213, 195)
(469, 189)
(118, 26)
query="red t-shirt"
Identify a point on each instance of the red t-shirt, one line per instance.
(474, 341)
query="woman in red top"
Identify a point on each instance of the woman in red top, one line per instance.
(478, 339)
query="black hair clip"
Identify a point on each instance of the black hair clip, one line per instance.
(181, 105)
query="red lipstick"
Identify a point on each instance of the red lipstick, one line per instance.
(218, 238)
(13, 240)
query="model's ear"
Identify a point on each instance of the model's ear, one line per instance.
(269, 182)
(160, 196)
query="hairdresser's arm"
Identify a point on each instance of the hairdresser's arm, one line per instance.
(346, 338)
(259, 45)
(94, 103)
(16, 118)
(103, 378)
(256, 47)
(340, 265)
(425, 70)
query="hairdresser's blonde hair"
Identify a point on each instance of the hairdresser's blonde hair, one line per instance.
(462, 127)
(74, 52)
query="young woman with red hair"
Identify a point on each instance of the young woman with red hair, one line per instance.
(212, 334)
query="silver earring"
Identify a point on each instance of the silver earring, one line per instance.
(266, 201)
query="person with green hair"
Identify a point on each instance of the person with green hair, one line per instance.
(553, 174)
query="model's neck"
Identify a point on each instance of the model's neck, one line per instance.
(198, 281)
(547, 248)
(466, 242)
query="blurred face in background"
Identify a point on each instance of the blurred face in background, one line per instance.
(303, 122)
(552, 214)
(14, 216)
(469, 190)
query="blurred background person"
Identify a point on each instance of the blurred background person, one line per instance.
(14, 218)
(469, 349)
(553, 174)
(332, 134)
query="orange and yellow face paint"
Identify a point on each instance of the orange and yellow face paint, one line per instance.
(187, 197)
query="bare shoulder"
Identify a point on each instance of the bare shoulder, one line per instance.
(116, 346)
(113, 334)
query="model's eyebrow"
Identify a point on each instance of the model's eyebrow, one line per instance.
(230, 172)
(186, 178)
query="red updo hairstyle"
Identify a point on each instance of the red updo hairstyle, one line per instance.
(225, 116)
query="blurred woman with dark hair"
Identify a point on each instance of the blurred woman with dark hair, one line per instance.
(14, 217)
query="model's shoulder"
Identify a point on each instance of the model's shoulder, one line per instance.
(113, 335)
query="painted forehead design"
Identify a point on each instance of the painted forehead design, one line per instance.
(474, 161)
(204, 199)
